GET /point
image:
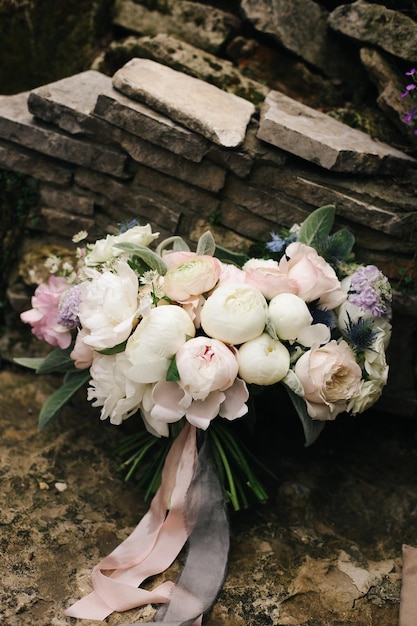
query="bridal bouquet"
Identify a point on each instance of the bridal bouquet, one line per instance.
(178, 340)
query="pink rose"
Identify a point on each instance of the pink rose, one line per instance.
(230, 273)
(266, 275)
(192, 277)
(315, 278)
(43, 317)
(330, 376)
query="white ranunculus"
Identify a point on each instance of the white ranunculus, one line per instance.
(109, 387)
(369, 392)
(104, 249)
(156, 340)
(109, 305)
(289, 315)
(234, 313)
(263, 360)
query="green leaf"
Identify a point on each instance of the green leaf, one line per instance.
(172, 374)
(114, 350)
(339, 246)
(178, 245)
(206, 244)
(32, 363)
(57, 361)
(312, 428)
(227, 256)
(318, 225)
(153, 260)
(72, 382)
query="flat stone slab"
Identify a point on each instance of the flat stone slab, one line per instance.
(87, 103)
(217, 115)
(18, 126)
(319, 138)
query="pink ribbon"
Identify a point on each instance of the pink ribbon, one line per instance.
(151, 548)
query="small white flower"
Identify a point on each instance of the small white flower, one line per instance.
(80, 236)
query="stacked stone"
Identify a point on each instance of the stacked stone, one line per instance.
(155, 144)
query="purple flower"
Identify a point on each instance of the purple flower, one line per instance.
(278, 244)
(411, 72)
(409, 117)
(370, 290)
(69, 307)
(409, 88)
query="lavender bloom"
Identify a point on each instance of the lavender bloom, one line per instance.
(69, 307)
(370, 290)
(411, 72)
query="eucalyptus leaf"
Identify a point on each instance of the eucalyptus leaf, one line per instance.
(206, 244)
(317, 225)
(52, 407)
(312, 428)
(153, 260)
(32, 363)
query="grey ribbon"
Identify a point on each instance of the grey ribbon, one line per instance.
(208, 546)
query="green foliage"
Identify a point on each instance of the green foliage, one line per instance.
(152, 260)
(73, 381)
(206, 244)
(315, 231)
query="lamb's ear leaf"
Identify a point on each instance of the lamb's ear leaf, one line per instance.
(318, 225)
(206, 244)
(312, 428)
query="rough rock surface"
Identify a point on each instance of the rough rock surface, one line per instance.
(325, 549)
(215, 114)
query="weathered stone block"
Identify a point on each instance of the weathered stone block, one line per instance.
(65, 200)
(219, 116)
(15, 158)
(17, 125)
(204, 26)
(121, 201)
(60, 223)
(142, 121)
(318, 138)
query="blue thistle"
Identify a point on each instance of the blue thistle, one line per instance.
(361, 334)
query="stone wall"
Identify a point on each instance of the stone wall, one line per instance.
(162, 145)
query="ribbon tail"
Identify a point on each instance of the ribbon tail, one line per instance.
(208, 546)
(151, 548)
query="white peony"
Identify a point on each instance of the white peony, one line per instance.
(263, 360)
(109, 306)
(234, 313)
(109, 387)
(289, 315)
(156, 340)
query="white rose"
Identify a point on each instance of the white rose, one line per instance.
(234, 313)
(369, 392)
(289, 314)
(109, 304)
(263, 360)
(156, 340)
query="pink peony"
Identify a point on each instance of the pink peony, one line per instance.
(43, 317)
(207, 387)
(315, 278)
